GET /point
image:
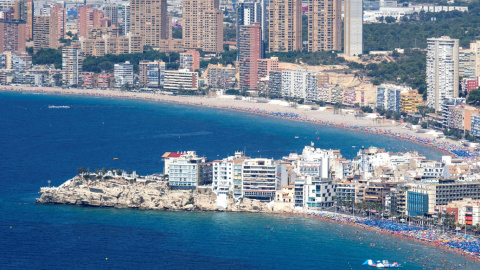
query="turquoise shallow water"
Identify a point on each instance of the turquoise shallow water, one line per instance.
(40, 144)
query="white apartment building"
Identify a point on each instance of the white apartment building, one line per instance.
(183, 169)
(180, 80)
(442, 71)
(300, 84)
(225, 173)
(123, 74)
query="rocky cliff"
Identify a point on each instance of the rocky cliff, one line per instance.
(122, 193)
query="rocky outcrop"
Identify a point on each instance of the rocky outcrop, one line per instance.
(156, 195)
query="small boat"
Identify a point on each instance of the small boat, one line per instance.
(382, 264)
(58, 107)
(296, 137)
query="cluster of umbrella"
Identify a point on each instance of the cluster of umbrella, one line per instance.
(389, 225)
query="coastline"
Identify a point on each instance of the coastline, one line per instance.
(324, 117)
(119, 192)
(347, 220)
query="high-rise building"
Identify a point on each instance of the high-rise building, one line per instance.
(213, 31)
(252, 11)
(124, 18)
(57, 25)
(41, 32)
(111, 12)
(149, 19)
(442, 71)
(23, 11)
(200, 20)
(324, 25)
(88, 18)
(285, 26)
(249, 47)
(30, 6)
(12, 33)
(72, 59)
(353, 24)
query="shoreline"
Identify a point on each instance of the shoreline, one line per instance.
(402, 235)
(387, 128)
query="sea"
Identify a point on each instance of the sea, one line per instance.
(42, 146)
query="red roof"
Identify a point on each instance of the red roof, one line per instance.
(172, 155)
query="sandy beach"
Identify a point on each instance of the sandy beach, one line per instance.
(276, 108)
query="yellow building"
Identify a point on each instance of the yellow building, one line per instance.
(409, 101)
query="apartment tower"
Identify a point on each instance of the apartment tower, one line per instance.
(57, 25)
(149, 19)
(88, 18)
(249, 47)
(442, 71)
(353, 24)
(12, 34)
(324, 25)
(285, 26)
(252, 11)
(41, 32)
(200, 20)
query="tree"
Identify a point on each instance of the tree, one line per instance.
(474, 97)
(424, 125)
(390, 19)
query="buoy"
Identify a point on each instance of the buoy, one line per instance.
(10, 227)
(115, 158)
(106, 259)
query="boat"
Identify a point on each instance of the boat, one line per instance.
(381, 264)
(296, 137)
(58, 107)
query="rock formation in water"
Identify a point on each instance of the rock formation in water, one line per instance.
(119, 192)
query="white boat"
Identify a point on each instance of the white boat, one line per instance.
(58, 107)
(382, 264)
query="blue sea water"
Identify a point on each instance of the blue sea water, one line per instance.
(41, 144)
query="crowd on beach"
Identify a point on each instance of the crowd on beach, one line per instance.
(459, 151)
(458, 242)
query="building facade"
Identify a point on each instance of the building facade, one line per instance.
(442, 71)
(149, 19)
(249, 51)
(353, 24)
(325, 25)
(285, 26)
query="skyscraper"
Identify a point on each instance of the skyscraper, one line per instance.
(124, 18)
(57, 25)
(285, 26)
(12, 33)
(41, 32)
(442, 70)
(199, 16)
(111, 12)
(72, 59)
(324, 25)
(249, 47)
(149, 19)
(88, 18)
(249, 12)
(353, 24)
(213, 31)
